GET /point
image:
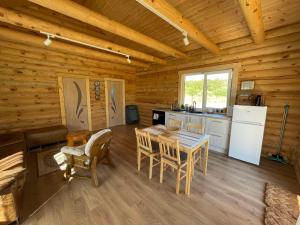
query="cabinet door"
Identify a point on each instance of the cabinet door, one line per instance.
(195, 119)
(217, 126)
(182, 118)
(169, 116)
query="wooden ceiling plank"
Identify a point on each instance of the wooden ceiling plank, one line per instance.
(21, 20)
(253, 15)
(37, 41)
(79, 12)
(172, 14)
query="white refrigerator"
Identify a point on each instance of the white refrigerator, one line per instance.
(247, 131)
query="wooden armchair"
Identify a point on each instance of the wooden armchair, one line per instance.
(12, 179)
(87, 156)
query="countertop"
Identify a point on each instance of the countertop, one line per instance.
(217, 116)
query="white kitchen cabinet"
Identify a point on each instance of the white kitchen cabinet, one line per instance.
(218, 130)
(176, 116)
(195, 119)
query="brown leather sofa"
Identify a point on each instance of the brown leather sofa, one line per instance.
(45, 136)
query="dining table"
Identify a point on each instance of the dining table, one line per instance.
(189, 142)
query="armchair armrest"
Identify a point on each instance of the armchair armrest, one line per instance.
(76, 151)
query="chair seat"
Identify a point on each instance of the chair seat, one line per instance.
(77, 151)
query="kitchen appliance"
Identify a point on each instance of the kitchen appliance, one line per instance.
(158, 117)
(247, 131)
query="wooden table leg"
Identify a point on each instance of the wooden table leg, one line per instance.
(188, 173)
(205, 158)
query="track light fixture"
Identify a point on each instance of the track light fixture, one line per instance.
(165, 18)
(186, 39)
(48, 41)
(128, 59)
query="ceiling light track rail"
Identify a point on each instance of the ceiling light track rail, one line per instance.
(50, 36)
(184, 32)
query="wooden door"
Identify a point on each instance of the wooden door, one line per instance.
(75, 102)
(115, 102)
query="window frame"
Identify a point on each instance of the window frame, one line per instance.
(232, 83)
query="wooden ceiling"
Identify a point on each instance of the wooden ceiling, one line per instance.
(220, 20)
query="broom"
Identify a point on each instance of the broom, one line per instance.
(278, 157)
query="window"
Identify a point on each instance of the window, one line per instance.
(207, 89)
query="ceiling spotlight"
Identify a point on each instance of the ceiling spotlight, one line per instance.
(186, 40)
(128, 59)
(48, 41)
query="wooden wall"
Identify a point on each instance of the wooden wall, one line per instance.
(29, 85)
(274, 65)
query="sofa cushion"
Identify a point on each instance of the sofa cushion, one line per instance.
(45, 136)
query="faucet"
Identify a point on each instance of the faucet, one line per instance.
(194, 105)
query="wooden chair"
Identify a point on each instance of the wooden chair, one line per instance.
(12, 179)
(195, 128)
(89, 155)
(144, 146)
(198, 129)
(175, 123)
(170, 157)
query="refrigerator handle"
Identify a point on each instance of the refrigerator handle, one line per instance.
(246, 122)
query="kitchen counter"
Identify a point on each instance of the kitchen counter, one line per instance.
(214, 115)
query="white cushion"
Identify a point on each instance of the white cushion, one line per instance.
(61, 159)
(78, 151)
(93, 138)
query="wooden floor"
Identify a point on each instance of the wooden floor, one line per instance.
(231, 193)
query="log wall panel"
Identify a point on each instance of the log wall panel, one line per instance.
(274, 65)
(29, 95)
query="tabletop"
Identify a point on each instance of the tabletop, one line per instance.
(187, 140)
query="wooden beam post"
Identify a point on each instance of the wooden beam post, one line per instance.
(21, 20)
(253, 15)
(173, 15)
(37, 41)
(79, 12)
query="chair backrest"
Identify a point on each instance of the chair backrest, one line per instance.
(98, 144)
(195, 128)
(169, 149)
(175, 123)
(143, 140)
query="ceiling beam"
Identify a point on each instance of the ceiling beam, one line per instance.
(22, 20)
(37, 41)
(79, 12)
(253, 15)
(169, 13)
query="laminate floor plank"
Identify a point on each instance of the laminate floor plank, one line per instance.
(231, 193)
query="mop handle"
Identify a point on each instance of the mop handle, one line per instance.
(282, 130)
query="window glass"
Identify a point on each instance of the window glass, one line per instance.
(193, 89)
(217, 90)
(208, 89)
